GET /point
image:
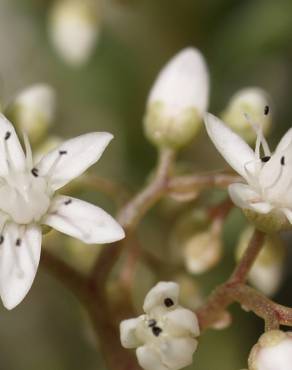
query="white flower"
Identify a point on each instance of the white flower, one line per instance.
(178, 99)
(272, 352)
(33, 110)
(27, 201)
(268, 176)
(165, 335)
(74, 29)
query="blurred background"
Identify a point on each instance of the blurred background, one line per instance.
(246, 43)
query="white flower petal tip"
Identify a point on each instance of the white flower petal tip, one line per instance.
(183, 82)
(231, 146)
(128, 333)
(158, 295)
(74, 29)
(165, 337)
(83, 221)
(19, 262)
(273, 351)
(73, 157)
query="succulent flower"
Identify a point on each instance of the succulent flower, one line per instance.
(165, 335)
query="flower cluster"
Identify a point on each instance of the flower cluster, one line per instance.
(165, 335)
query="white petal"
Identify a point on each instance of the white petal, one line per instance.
(231, 146)
(183, 82)
(285, 141)
(149, 358)
(11, 152)
(83, 221)
(261, 207)
(19, 263)
(181, 321)
(177, 353)
(79, 154)
(128, 333)
(242, 195)
(159, 293)
(288, 213)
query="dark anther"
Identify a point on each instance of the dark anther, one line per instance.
(266, 158)
(62, 152)
(283, 161)
(266, 111)
(68, 201)
(35, 172)
(156, 330)
(1, 239)
(7, 135)
(18, 242)
(168, 302)
(152, 323)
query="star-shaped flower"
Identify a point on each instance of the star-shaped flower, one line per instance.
(268, 175)
(165, 335)
(28, 200)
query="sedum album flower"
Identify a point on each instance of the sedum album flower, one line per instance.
(28, 200)
(266, 195)
(178, 100)
(165, 335)
(272, 352)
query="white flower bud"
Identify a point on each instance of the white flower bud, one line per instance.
(33, 110)
(253, 102)
(272, 352)
(203, 250)
(165, 335)
(74, 29)
(267, 271)
(178, 100)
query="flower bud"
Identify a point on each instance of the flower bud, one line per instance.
(253, 102)
(272, 352)
(33, 110)
(74, 29)
(267, 271)
(203, 250)
(190, 291)
(178, 100)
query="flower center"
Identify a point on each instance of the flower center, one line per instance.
(24, 197)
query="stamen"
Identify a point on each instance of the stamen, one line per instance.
(35, 172)
(152, 323)
(67, 202)
(265, 159)
(168, 302)
(260, 137)
(28, 151)
(1, 239)
(283, 161)
(7, 135)
(18, 242)
(62, 152)
(55, 163)
(266, 110)
(156, 330)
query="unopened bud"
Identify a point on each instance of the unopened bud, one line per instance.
(249, 104)
(33, 110)
(273, 351)
(74, 29)
(178, 100)
(203, 250)
(267, 271)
